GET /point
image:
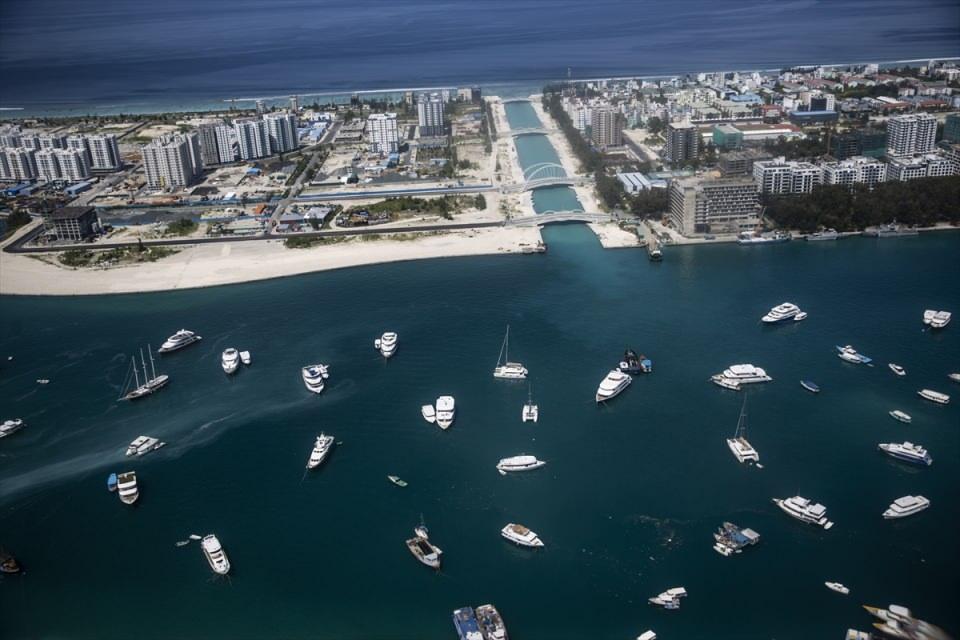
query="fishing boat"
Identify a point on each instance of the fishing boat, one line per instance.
(741, 449)
(10, 427)
(216, 556)
(896, 414)
(505, 368)
(8, 564)
(531, 412)
(897, 369)
(133, 389)
(429, 413)
(424, 550)
(810, 386)
(397, 481)
(142, 445)
(321, 448)
(934, 396)
(836, 586)
(127, 487)
(112, 482)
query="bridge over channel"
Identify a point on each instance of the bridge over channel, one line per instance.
(545, 174)
(513, 100)
(528, 131)
(551, 217)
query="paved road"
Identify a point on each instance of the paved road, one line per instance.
(297, 186)
(386, 193)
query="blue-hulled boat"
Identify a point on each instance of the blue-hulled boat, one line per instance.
(465, 622)
(112, 482)
(810, 386)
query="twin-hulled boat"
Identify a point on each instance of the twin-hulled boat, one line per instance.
(519, 463)
(741, 449)
(216, 556)
(905, 506)
(613, 385)
(386, 344)
(505, 368)
(802, 509)
(531, 412)
(179, 340)
(738, 375)
(321, 448)
(143, 445)
(313, 376)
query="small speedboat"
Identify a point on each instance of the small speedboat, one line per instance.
(810, 386)
(954, 376)
(429, 413)
(836, 586)
(245, 357)
(10, 427)
(230, 360)
(896, 414)
(397, 481)
(8, 564)
(112, 482)
(897, 369)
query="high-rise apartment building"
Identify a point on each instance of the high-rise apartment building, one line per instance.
(855, 170)
(226, 144)
(951, 128)
(911, 134)
(209, 149)
(72, 164)
(683, 142)
(21, 163)
(606, 126)
(79, 142)
(931, 165)
(172, 162)
(382, 132)
(253, 140)
(104, 152)
(779, 176)
(430, 112)
(281, 131)
(702, 206)
(48, 168)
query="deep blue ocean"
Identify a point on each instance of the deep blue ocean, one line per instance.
(81, 56)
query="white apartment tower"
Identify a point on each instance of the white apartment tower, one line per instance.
(252, 138)
(780, 176)
(169, 161)
(21, 163)
(911, 134)
(104, 152)
(281, 131)
(72, 163)
(430, 115)
(382, 132)
(226, 144)
(606, 126)
(858, 169)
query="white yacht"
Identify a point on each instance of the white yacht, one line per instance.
(896, 414)
(446, 411)
(230, 360)
(907, 451)
(313, 376)
(127, 487)
(905, 506)
(740, 374)
(669, 599)
(955, 377)
(320, 450)
(849, 354)
(531, 412)
(142, 445)
(802, 509)
(836, 586)
(215, 555)
(133, 389)
(613, 385)
(9, 427)
(521, 535)
(649, 634)
(424, 550)
(519, 463)
(934, 396)
(429, 413)
(505, 368)
(936, 319)
(386, 344)
(784, 312)
(742, 450)
(179, 340)
(897, 369)
(245, 357)
(825, 234)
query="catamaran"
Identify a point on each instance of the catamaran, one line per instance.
(531, 412)
(505, 368)
(742, 450)
(144, 444)
(737, 375)
(151, 382)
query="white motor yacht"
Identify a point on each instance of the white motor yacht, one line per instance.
(215, 555)
(179, 340)
(849, 354)
(10, 427)
(313, 376)
(825, 234)
(245, 357)
(230, 360)
(936, 319)
(446, 411)
(649, 634)
(505, 368)
(669, 599)
(386, 344)
(429, 413)
(955, 377)
(782, 313)
(908, 452)
(127, 487)
(742, 450)
(519, 463)
(142, 445)
(905, 506)
(613, 385)
(321, 448)
(491, 623)
(531, 412)
(521, 535)
(738, 375)
(934, 396)
(802, 509)
(836, 586)
(897, 369)
(896, 414)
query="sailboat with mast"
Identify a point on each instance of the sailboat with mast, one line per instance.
(531, 412)
(134, 389)
(505, 368)
(742, 450)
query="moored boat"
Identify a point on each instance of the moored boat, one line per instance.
(133, 389)
(634, 363)
(519, 534)
(954, 376)
(810, 386)
(491, 624)
(179, 340)
(934, 396)
(127, 487)
(737, 375)
(216, 556)
(849, 354)
(112, 482)
(896, 414)
(230, 360)
(612, 385)
(397, 481)
(505, 368)
(908, 452)
(519, 463)
(313, 376)
(10, 427)
(741, 449)
(782, 313)
(8, 564)
(669, 599)
(424, 550)
(245, 357)
(732, 539)
(897, 369)
(836, 586)
(531, 412)
(142, 445)
(321, 448)
(446, 411)
(824, 234)
(386, 344)
(905, 506)
(936, 319)
(802, 509)
(465, 622)
(429, 413)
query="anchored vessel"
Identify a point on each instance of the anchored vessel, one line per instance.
(633, 363)
(934, 396)
(613, 385)
(424, 550)
(826, 234)
(836, 586)
(669, 599)
(245, 357)
(740, 374)
(8, 564)
(429, 413)
(898, 622)
(531, 412)
(849, 354)
(505, 368)
(10, 427)
(891, 230)
(142, 445)
(519, 463)
(446, 411)
(321, 448)
(127, 487)
(742, 450)
(752, 237)
(151, 382)
(805, 511)
(215, 554)
(896, 414)
(784, 312)
(810, 386)
(313, 376)
(732, 539)
(521, 535)
(897, 369)
(386, 344)
(230, 360)
(179, 340)
(491, 624)
(936, 319)
(905, 506)
(908, 452)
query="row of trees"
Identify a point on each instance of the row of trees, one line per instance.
(590, 159)
(921, 202)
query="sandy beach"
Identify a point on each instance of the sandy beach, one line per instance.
(611, 236)
(234, 262)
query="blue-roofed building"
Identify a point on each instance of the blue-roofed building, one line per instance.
(805, 118)
(22, 189)
(747, 98)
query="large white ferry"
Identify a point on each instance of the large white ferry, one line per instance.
(613, 385)
(740, 374)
